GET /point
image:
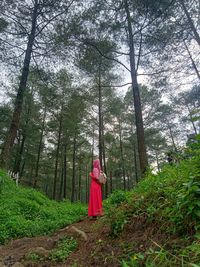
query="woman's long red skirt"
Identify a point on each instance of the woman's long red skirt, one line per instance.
(95, 200)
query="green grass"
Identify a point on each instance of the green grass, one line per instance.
(64, 247)
(170, 199)
(27, 212)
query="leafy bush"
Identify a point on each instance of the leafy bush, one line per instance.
(116, 198)
(1, 183)
(64, 248)
(171, 199)
(117, 222)
(32, 256)
(27, 212)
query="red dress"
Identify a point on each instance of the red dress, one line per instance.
(95, 201)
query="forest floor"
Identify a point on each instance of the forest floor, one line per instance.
(95, 245)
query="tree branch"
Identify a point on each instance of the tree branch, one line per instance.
(103, 55)
(139, 53)
(54, 17)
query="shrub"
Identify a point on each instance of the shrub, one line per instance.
(65, 246)
(27, 212)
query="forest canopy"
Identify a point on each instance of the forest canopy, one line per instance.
(117, 80)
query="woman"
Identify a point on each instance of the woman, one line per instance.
(95, 201)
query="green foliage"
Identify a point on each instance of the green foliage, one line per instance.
(191, 253)
(171, 199)
(193, 145)
(32, 256)
(116, 216)
(116, 198)
(152, 258)
(27, 212)
(64, 248)
(1, 183)
(188, 256)
(117, 222)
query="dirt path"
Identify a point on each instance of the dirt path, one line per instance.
(95, 245)
(85, 232)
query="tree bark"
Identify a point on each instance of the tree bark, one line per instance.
(136, 96)
(62, 178)
(172, 137)
(17, 168)
(57, 156)
(79, 183)
(196, 35)
(104, 160)
(191, 119)
(11, 135)
(40, 148)
(92, 152)
(18, 162)
(111, 182)
(128, 177)
(65, 172)
(157, 161)
(122, 155)
(74, 170)
(86, 184)
(17, 156)
(100, 121)
(192, 60)
(135, 163)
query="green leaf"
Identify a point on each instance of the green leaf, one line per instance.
(124, 264)
(197, 236)
(197, 213)
(197, 203)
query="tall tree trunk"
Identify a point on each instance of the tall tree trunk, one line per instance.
(122, 155)
(65, 171)
(111, 182)
(31, 175)
(136, 96)
(104, 160)
(79, 183)
(74, 170)
(128, 176)
(157, 161)
(57, 156)
(100, 121)
(10, 138)
(192, 60)
(92, 152)
(22, 168)
(62, 178)
(196, 35)
(135, 163)
(191, 119)
(19, 158)
(17, 168)
(172, 137)
(40, 148)
(46, 189)
(86, 184)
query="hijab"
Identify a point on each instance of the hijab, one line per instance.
(96, 168)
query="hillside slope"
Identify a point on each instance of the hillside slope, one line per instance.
(27, 212)
(155, 225)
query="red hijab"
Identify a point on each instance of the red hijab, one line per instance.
(96, 168)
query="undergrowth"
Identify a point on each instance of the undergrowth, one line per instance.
(64, 247)
(27, 212)
(169, 199)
